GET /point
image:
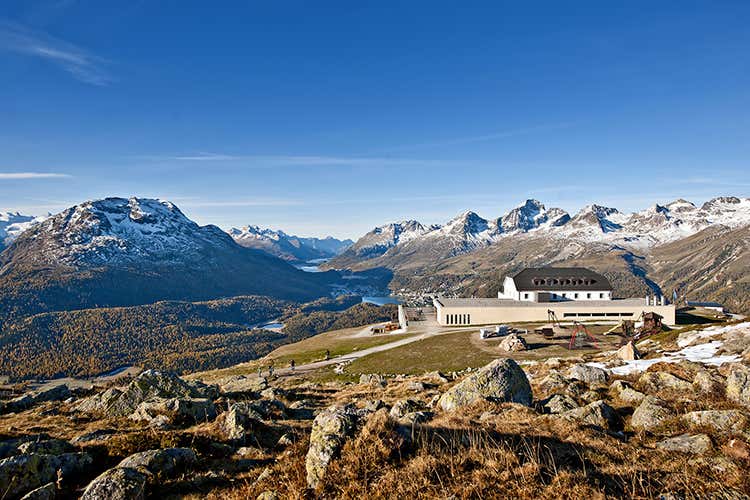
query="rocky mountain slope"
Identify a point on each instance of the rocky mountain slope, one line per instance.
(12, 224)
(288, 247)
(586, 426)
(119, 251)
(468, 254)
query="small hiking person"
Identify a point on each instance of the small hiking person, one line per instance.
(270, 370)
(291, 365)
(328, 354)
(260, 372)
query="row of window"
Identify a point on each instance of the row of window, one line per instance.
(458, 319)
(610, 315)
(563, 281)
(565, 295)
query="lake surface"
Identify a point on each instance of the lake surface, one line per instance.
(381, 301)
(313, 266)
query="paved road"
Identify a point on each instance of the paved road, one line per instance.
(430, 329)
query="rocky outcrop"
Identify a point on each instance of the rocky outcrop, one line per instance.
(500, 381)
(329, 431)
(175, 411)
(650, 414)
(149, 386)
(46, 492)
(129, 479)
(57, 393)
(373, 379)
(625, 393)
(46, 447)
(22, 473)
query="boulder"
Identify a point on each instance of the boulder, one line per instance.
(625, 393)
(46, 446)
(708, 382)
(330, 429)
(513, 343)
(237, 421)
(416, 386)
(738, 385)
(373, 379)
(46, 492)
(662, 381)
(150, 385)
(717, 420)
(685, 443)
(500, 381)
(404, 407)
(21, 474)
(628, 352)
(592, 375)
(598, 414)
(175, 411)
(117, 484)
(165, 461)
(650, 414)
(554, 381)
(241, 384)
(559, 403)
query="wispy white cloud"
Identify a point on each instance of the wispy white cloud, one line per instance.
(504, 134)
(76, 61)
(31, 175)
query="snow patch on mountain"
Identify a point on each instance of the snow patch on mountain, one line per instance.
(13, 224)
(289, 247)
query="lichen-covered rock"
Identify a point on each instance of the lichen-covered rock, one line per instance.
(592, 375)
(717, 420)
(238, 420)
(554, 381)
(708, 382)
(500, 381)
(625, 393)
(513, 343)
(329, 431)
(662, 381)
(685, 443)
(241, 384)
(738, 385)
(22, 473)
(176, 410)
(46, 446)
(117, 484)
(650, 414)
(46, 492)
(56, 393)
(373, 379)
(404, 407)
(165, 461)
(560, 403)
(598, 413)
(150, 385)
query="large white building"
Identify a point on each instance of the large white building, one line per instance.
(550, 284)
(541, 294)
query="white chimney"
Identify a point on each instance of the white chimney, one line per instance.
(661, 300)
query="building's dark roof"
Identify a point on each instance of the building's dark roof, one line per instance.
(560, 278)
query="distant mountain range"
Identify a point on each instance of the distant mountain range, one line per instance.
(468, 253)
(120, 251)
(12, 225)
(288, 247)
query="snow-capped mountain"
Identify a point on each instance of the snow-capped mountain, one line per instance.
(120, 251)
(288, 247)
(12, 224)
(382, 238)
(656, 225)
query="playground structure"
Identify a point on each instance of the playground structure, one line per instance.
(581, 338)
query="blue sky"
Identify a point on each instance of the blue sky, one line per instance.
(333, 117)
